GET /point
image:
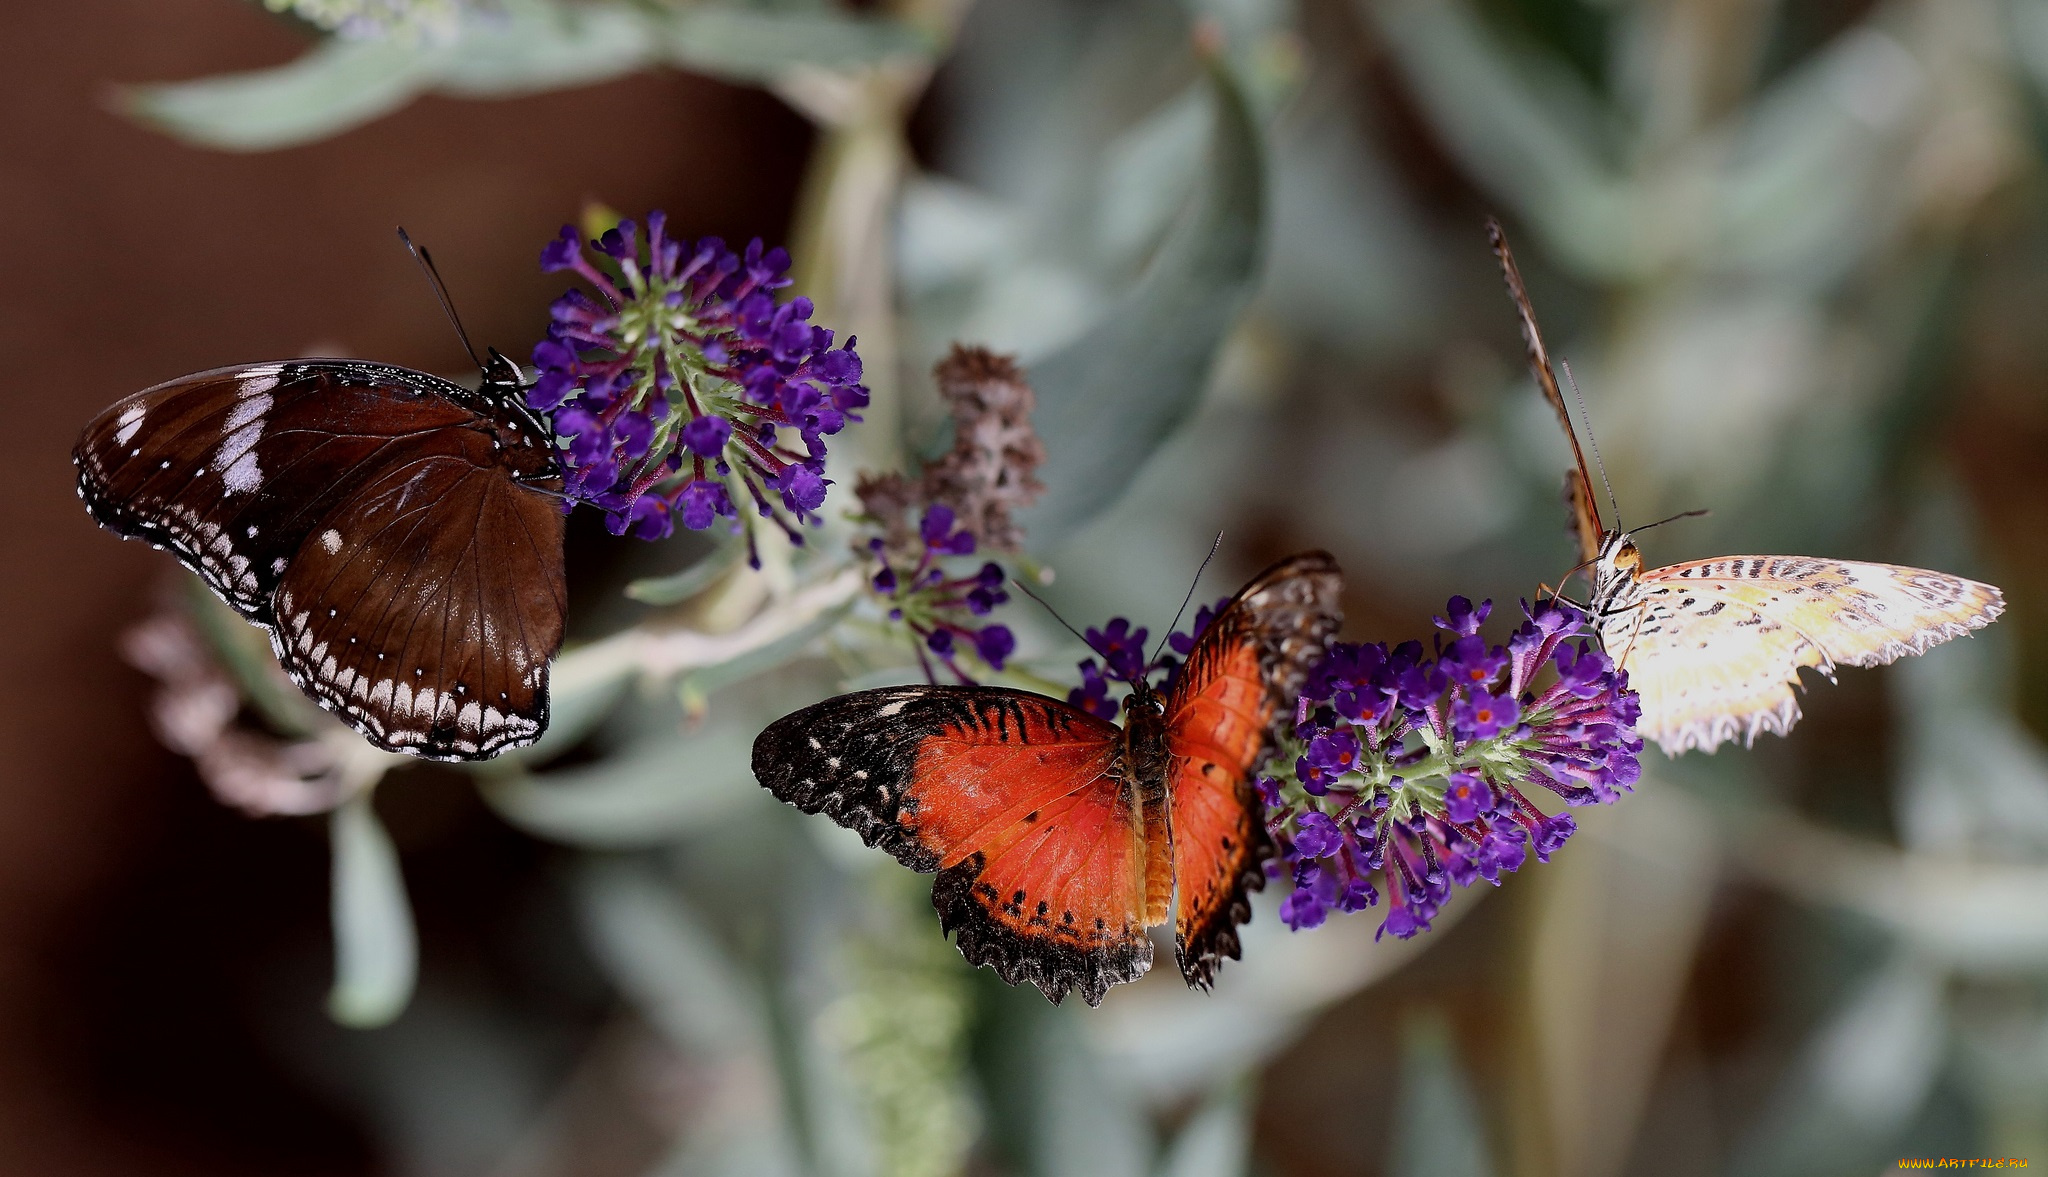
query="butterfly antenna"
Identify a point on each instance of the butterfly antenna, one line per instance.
(1591, 440)
(426, 261)
(1672, 519)
(1026, 590)
(1161, 647)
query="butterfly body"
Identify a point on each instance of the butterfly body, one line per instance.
(397, 534)
(1058, 837)
(1714, 647)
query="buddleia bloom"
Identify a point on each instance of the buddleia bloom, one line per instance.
(1411, 772)
(945, 611)
(955, 507)
(684, 388)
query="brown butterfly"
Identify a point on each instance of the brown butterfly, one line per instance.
(398, 535)
(1714, 646)
(1059, 837)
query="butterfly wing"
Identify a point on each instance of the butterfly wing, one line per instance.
(253, 476)
(1582, 518)
(424, 609)
(1041, 850)
(227, 469)
(1585, 515)
(1714, 647)
(1239, 683)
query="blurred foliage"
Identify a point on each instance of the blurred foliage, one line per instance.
(1792, 252)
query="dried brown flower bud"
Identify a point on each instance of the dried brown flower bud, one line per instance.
(992, 468)
(196, 712)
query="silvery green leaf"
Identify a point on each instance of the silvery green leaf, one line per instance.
(681, 586)
(747, 664)
(750, 45)
(661, 955)
(1107, 400)
(376, 950)
(1054, 1109)
(645, 794)
(679, 976)
(336, 85)
(514, 47)
(1438, 1131)
(1217, 1140)
(1864, 1073)
(1170, 1043)
(1522, 124)
(1801, 197)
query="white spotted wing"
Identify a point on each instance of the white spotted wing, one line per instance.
(393, 530)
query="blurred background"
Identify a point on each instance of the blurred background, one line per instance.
(1795, 250)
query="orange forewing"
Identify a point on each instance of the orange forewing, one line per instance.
(1245, 668)
(1010, 796)
(1217, 735)
(990, 769)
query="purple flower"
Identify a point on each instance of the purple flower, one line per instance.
(1375, 727)
(1330, 755)
(1122, 648)
(1461, 618)
(939, 608)
(696, 439)
(939, 536)
(1092, 695)
(995, 643)
(1480, 716)
(706, 437)
(1316, 836)
(1466, 797)
(1184, 643)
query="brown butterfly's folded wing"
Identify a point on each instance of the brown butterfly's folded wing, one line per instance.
(1582, 519)
(1010, 797)
(227, 469)
(444, 600)
(1238, 685)
(1714, 647)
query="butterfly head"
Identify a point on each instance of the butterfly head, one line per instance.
(1145, 700)
(501, 375)
(1619, 564)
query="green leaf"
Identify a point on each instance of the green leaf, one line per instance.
(1217, 1141)
(755, 46)
(1054, 1109)
(648, 794)
(681, 586)
(376, 949)
(1437, 1128)
(518, 47)
(1107, 400)
(335, 86)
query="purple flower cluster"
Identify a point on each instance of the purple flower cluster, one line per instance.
(1122, 650)
(683, 387)
(942, 610)
(1410, 769)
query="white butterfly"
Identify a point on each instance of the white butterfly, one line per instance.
(1714, 646)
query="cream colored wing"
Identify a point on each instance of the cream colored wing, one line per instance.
(1714, 647)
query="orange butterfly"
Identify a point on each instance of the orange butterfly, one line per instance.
(1714, 646)
(1059, 837)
